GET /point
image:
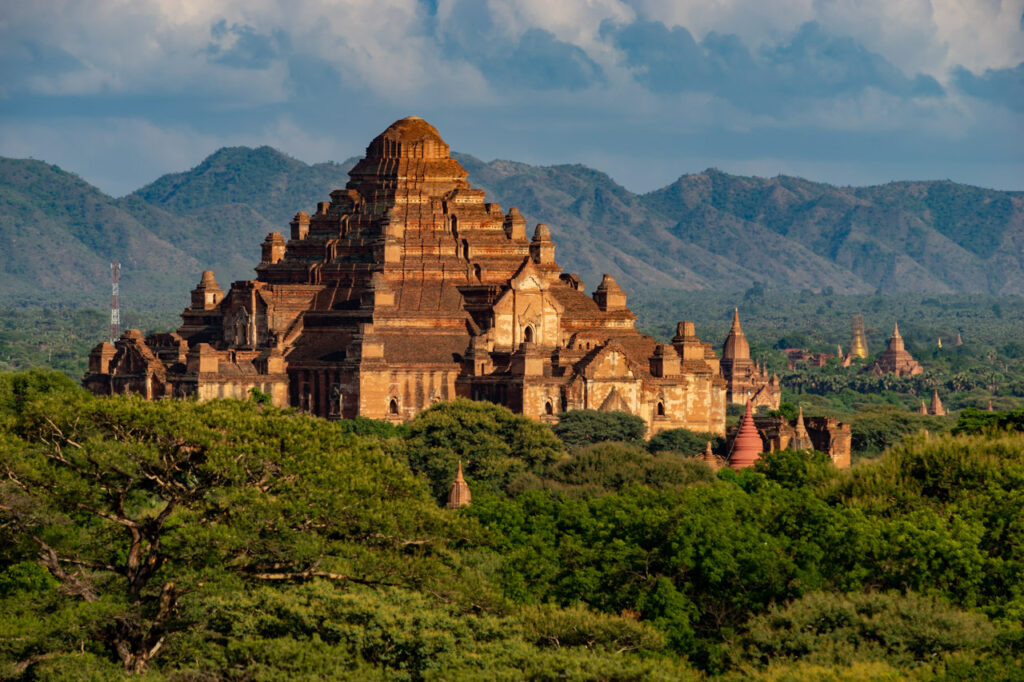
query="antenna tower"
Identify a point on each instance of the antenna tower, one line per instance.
(115, 306)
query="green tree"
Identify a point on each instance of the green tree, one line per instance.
(495, 445)
(612, 466)
(841, 629)
(141, 511)
(577, 428)
(683, 441)
(793, 469)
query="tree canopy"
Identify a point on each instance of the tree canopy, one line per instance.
(234, 540)
(577, 428)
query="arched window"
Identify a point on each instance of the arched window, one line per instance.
(548, 409)
(393, 407)
(477, 271)
(661, 409)
(455, 226)
(528, 335)
(465, 249)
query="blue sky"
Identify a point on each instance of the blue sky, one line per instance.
(842, 91)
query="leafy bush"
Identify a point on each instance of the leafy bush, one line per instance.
(841, 629)
(611, 466)
(495, 445)
(577, 428)
(683, 441)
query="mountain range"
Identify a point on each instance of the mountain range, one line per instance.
(708, 230)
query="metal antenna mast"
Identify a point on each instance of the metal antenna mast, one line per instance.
(115, 306)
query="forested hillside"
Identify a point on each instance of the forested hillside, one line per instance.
(708, 230)
(58, 235)
(231, 540)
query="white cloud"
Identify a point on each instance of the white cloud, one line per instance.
(919, 36)
(388, 59)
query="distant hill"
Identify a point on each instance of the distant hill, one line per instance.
(58, 235)
(706, 230)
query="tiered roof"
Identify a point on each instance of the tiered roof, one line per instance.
(747, 445)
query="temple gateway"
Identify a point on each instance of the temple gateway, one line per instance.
(408, 288)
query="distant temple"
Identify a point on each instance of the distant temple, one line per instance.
(858, 340)
(895, 359)
(745, 380)
(408, 288)
(824, 434)
(801, 356)
(935, 407)
(459, 495)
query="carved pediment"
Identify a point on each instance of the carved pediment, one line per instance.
(615, 403)
(528, 278)
(610, 362)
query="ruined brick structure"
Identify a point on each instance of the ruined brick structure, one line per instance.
(802, 356)
(408, 288)
(824, 434)
(745, 379)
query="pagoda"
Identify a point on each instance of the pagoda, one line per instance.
(858, 339)
(895, 359)
(745, 380)
(459, 495)
(747, 446)
(407, 287)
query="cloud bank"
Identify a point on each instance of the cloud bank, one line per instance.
(846, 91)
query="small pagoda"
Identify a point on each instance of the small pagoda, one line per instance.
(747, 446)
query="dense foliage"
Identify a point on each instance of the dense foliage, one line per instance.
(577, 428)
(234, 540)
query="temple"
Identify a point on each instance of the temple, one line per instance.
(408, 288)
(858, 339)
(745, 380)
(824, 434)
(895, 359)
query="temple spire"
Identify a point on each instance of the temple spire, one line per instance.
(736, 346)
(747, 445)
(459, 495)
(801, 439)
(896, 341)
(709, 457)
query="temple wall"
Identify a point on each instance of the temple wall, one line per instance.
(537, 397)
(213, 388)
(400, 394)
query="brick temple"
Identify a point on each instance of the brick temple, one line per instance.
(408, 288)
(745, 380)
(895, 359)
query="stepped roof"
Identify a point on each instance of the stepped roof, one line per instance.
(747, 445)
